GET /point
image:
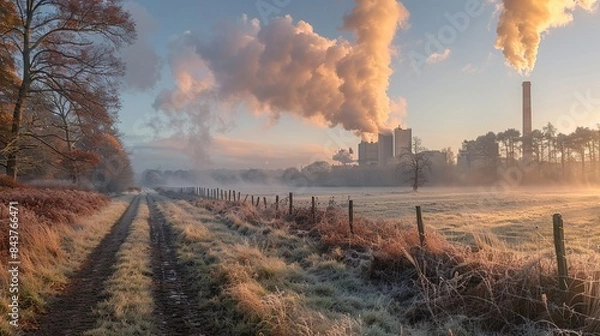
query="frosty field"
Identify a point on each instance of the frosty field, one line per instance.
(520, 219)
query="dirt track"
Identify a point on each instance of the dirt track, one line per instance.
(176, 312)
(71, 312)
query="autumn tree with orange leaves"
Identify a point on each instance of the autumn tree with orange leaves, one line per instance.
(67, 89)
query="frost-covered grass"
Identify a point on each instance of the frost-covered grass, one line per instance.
(471, 277)
(520, 218)
(128, 309)
(57, 230)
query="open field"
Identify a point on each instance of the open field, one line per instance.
(520, 218)
(180, 264)
(397, 287)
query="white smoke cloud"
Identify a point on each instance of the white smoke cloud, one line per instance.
(287, 68)
(343, 156)
(187, 107)
(522, 24)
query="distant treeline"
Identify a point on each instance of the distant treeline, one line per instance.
(316, 174)
(493, 158)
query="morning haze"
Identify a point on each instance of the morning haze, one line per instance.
(287, 167)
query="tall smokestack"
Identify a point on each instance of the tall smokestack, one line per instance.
(527, 145)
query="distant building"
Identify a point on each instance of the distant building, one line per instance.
(385, 146)
(527, 141)
(402, 141)
(437, 159)
(368, 153)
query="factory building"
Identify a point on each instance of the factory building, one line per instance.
(368, 153)
(388, 146)
(402, 140)
(385, 145)
(527, 141)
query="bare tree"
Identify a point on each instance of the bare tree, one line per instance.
(450, 156)
(67, 47)
(415, 165)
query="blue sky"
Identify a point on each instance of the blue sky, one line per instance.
(465, 91)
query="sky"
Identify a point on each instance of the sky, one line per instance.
(282, 83)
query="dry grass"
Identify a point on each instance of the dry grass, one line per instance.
(58, 228)
(246, 286)
(486, 287)
(129, 306)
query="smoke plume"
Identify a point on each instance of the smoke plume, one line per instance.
(522, 23)
(284, 67)
(343, 156)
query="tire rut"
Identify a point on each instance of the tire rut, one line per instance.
(71, 313)
(176, 314)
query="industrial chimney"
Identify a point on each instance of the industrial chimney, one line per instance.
(527, 141)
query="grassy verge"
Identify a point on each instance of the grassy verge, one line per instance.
(439, 289)
(129, 306)
(57, 229)
(258, 278)
(245, 287)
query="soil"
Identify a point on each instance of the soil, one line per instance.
(176, 312)
(71, 313)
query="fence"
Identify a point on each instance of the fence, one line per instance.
(561, 266)
(564, 280)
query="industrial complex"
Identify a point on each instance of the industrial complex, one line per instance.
(390, 146)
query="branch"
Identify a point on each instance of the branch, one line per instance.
(38, 138)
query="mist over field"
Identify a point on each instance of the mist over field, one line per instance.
(325, 167)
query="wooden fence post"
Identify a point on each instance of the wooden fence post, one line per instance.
(351, 215)
(257, 201)
(239, 195)
(245, 198)
(312, 210)
(420, 226)
(265, 201)
(252, 200)
(276, 205)
(291, 202)
(561, 254)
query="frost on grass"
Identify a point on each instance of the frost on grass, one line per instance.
(60, 227)
(129, 307)
(487, 267)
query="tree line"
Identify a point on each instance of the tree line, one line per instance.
(555, 155)
(60, 77)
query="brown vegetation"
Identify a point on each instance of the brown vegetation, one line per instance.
(53, 240)
(497, 290)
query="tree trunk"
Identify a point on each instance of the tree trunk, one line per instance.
(12, 157)
(583, 164)
(562, 162)
(11, 162)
